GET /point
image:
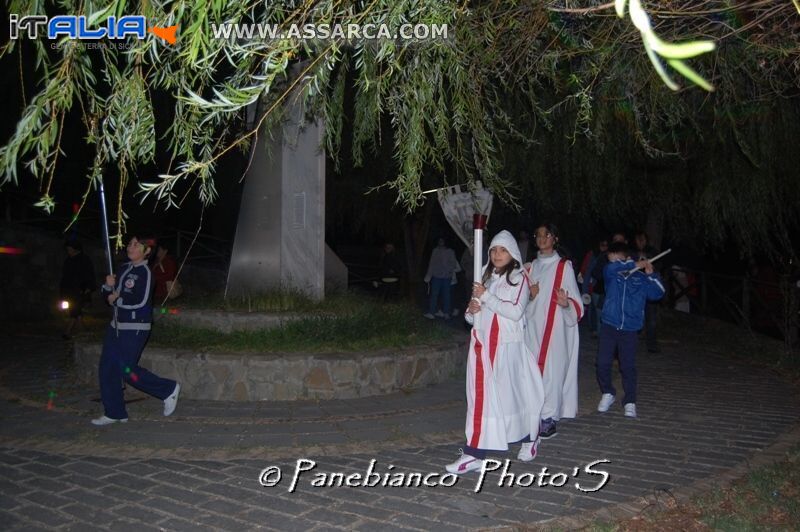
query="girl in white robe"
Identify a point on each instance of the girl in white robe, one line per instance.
(504, 385)
(552, 332)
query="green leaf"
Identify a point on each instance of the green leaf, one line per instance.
(662, 72)
(682, 50)
(47, 203)
(619, 6)
(690, 74)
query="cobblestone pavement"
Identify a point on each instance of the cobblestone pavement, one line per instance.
(699, 415)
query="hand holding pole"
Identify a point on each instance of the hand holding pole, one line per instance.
(478, 225)
(651, 261)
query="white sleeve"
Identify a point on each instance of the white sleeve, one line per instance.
(512, 310)
(469, 318)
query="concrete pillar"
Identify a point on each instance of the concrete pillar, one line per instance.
(280, 234)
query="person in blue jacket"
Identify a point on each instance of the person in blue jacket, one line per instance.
(129, 293)
(621, 320)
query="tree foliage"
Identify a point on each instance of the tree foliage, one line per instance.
(509, 71)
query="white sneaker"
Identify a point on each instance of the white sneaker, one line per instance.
(441, 314)
(456, 312)
(605, 402)
(105, 420)
(429, 316)
(528, 451)
(172, 401)
(630, 410)
(464, 464)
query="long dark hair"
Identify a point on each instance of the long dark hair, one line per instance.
(507, 270)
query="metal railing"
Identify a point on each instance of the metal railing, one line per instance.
(764, 306)
(206, 249)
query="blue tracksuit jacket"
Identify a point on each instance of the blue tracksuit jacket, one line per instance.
(626, 295)
(132, 310)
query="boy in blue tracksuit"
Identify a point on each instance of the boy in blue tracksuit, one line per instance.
(622, 319)
(129, 294)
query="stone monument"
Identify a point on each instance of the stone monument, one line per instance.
(280, 233)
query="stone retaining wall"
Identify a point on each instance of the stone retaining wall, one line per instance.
(286, 377)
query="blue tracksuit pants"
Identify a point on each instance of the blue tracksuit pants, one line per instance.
(120, 361)
(624, 343)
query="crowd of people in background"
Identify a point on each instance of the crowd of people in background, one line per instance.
(449, 283)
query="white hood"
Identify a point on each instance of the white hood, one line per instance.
(507, 240)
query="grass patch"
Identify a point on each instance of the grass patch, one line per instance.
(274, 301)
(364, 326)
(343, 322)
(767, 498)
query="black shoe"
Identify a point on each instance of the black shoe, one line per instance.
(65, 336)
(653, 350)
(547, 429)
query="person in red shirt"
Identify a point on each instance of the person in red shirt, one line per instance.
(164, 268)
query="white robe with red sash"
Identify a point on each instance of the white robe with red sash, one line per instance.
(504, 386)
(552, 334)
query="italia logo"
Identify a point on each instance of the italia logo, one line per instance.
(77, 27)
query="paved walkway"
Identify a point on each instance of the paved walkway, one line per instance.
(700, 415)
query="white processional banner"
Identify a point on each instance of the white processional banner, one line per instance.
(467, 212)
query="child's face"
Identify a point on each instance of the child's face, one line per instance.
(137, 251)
(500, 257)
(545, 241)
(616, 257)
